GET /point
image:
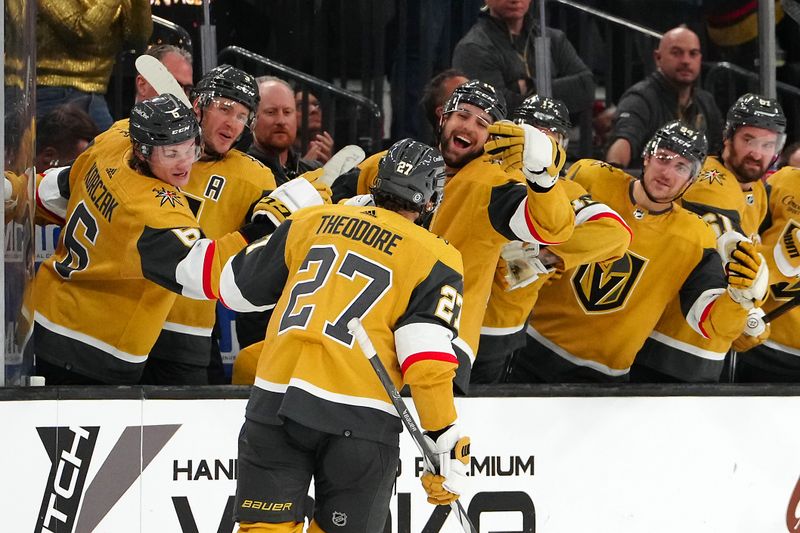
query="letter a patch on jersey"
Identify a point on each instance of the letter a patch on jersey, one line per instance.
(605, 287)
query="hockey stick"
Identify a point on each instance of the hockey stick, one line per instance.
(785, 307)
(357, 330)
(160, 78)
(341, 162)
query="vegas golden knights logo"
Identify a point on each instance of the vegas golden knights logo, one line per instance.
(785, 291)
(605, 287)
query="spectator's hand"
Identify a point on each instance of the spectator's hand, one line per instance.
(320, 148)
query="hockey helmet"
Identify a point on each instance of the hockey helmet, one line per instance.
(229, 82)
(479, 94)
(681, 139)
(753, 110)
(413, 173)
(161, 121)
(545, 113)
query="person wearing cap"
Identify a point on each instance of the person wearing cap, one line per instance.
(730, 196)
(487, 204)
(588, 325)
(130, 242)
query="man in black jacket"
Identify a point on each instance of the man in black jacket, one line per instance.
(669, 93)
(275, 130)
(499, 50)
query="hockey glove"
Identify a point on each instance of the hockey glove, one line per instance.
(747, 275)
(314, 178)
(756, 331)
(524, 147)
(360, 200)
(523, 265)
(453, 451)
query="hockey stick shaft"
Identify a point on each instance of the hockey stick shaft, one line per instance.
(361, 336)
(785, 307)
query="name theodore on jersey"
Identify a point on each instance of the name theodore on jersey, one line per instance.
(361, 230)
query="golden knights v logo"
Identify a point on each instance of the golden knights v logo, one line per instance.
(605, 287)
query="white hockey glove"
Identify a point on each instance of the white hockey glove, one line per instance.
(756, 331)
(285, 200)
(523, 265)
(521, 146)
(361, 200)
(745, 269)
(446, 486)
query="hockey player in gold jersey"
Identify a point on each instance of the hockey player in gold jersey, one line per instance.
(100, 300)
(777, 359)
(317, 411)
(222, 187)
(487, 204)
(730, 196)
(589, 324)
(600, 235)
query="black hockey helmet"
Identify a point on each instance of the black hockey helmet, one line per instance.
(543, 112)
(681, 139)
(161, 121)
(228, 82)
(413, 173)
(754, 110)
(479, 94)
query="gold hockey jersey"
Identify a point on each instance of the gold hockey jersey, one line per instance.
(675, 348)
(323, 267)
(220, 193)
(780, 248)
(101, 299)
(598, 315)
(600, 235)
(483, 209)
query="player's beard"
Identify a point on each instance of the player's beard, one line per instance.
(458, 162)
(746, 174)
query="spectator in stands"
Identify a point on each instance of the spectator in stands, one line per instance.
(275, 130)
(178, 62)
(77, 44)
(791, 156)
(669, 93)
(61, 136)
(499, 50)
(320, 144)
(436, 93)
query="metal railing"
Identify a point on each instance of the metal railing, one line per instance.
(349, 117)
(727, 82)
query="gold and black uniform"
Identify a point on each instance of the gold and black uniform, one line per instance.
(220, 193)
(777, 359)
(129, 245)
(324, 266)
(600, 235)
(589, 324)
(674, 348)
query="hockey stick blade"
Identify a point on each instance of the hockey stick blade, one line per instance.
(362, 338)
(341, 162)
(160, 78)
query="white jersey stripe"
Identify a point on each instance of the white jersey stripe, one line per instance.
(574, 359)
(86, 339)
